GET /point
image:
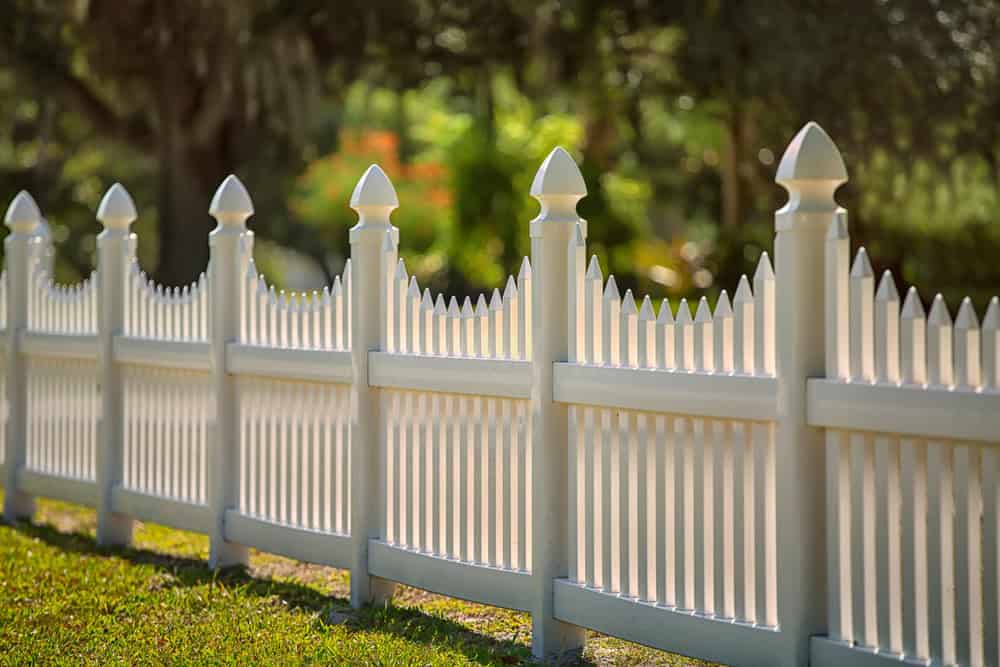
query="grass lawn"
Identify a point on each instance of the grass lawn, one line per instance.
(63, 600)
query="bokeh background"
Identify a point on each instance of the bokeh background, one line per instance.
(676, 111)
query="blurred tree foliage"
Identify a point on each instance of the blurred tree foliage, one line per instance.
(678, 113)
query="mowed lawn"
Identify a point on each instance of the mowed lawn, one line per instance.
(63, 600)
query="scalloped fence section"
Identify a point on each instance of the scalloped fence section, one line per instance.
(803, 472)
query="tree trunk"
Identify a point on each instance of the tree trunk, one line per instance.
(188, 178)
(732, 190)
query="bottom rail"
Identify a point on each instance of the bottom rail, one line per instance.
(458, 579)
(825, 652)
(47, 485)
(166, 511)
(302, 544)
(663, 628)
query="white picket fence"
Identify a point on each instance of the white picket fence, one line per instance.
(806, 475)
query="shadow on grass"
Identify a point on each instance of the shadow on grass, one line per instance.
(408, 623)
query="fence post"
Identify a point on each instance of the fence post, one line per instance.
(558, 186)
(811, 170)
(373, 199)
(23, 218)
(114, 246)
(231, 206)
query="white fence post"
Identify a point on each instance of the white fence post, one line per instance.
(558, 186)
(23, 218)
(115, 247)
(231, 206)
(374, 199)
(811, 170)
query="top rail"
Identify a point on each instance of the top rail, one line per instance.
(919, 412)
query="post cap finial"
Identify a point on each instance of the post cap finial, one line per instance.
(811, 156)
(231, 203)
(374, 189)
(558, 186)
(23, 214)
(116, 210)
(558, 175)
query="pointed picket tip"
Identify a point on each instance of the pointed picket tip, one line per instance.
(525, 271)
(453, 309)
(862, 268)
(939, 315)
(467, 308)
(496, 301)
(401, 270)
(683, 312)
(722, 306)
(117, 210)
(426, 302)
(579, 240)
(439, 307)
(764, 269)
(811, 156)
(23, 214)
(374, 189)
(992, 318)
(886, 288)
(558, 175)
(231, 202)
(414, 289)
(594, 269)
(913, 309)
(338, 286)
(481, 306)
(628, 304)
(966, 318)
(704, 313)
(743, 292)
(665, 316)
(646, 310)
(510, 290)
(837, 230)
(611, 292)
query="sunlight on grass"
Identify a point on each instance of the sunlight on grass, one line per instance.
(63, 599)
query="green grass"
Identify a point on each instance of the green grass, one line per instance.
(64, 600)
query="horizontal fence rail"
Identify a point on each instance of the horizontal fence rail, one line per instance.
(805, 472)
